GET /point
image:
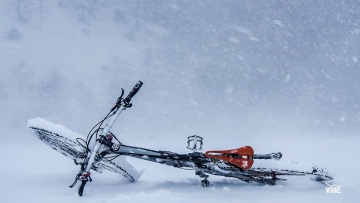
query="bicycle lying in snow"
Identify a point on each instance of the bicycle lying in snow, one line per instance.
(102, 150)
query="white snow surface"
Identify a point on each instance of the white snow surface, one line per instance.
(33, 172)
(53, 127)
(36, 173)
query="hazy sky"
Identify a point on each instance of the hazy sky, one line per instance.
(207, 66)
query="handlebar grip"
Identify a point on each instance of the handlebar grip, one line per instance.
(133, 91)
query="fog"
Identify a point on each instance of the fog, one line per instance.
(212, 68)
(273, 74)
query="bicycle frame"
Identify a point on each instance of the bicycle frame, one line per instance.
(235, 163)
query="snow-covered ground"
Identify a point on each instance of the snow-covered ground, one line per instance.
(276, 75)
(33, 172)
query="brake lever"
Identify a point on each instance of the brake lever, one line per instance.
(119, 100)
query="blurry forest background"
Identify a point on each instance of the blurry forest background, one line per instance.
(212, 68)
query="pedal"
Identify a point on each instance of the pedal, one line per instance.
(205, 183)
(276, 156)
(195, 143)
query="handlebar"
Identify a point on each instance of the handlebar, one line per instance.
(133, 91)
(126, 102)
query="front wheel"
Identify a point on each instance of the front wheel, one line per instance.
(81, 187)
